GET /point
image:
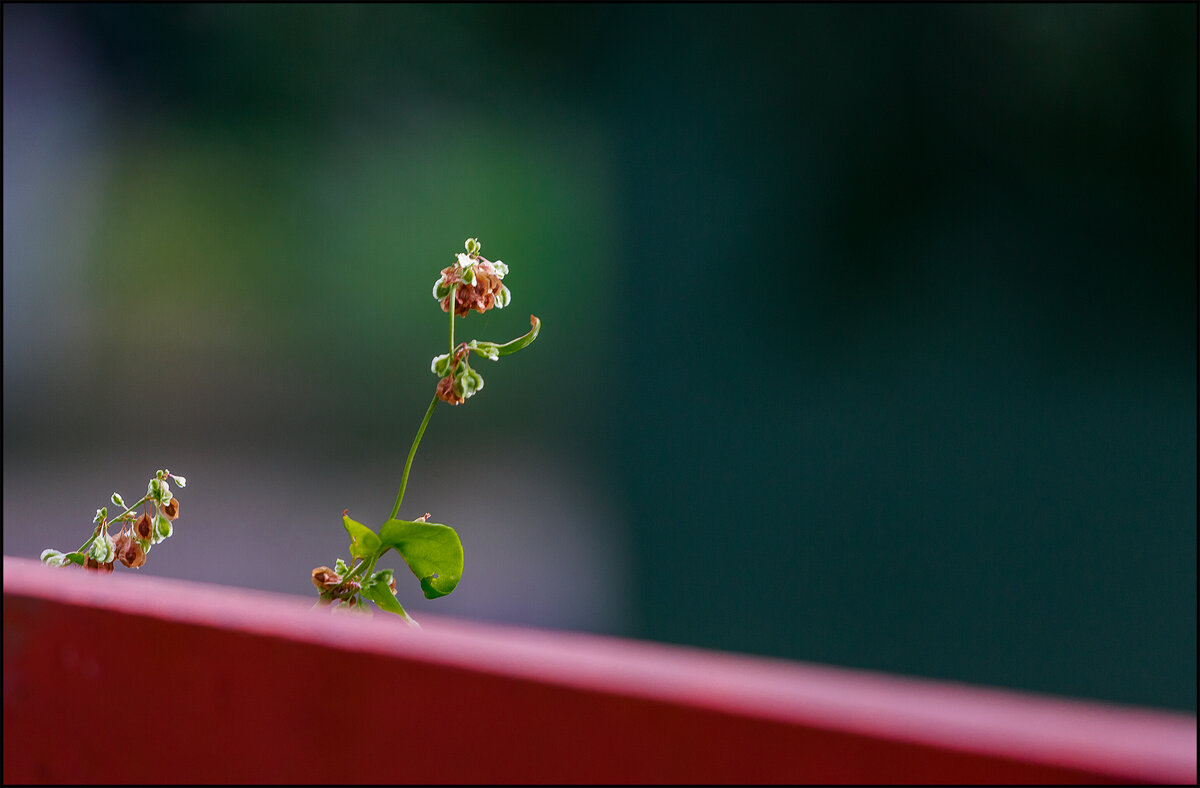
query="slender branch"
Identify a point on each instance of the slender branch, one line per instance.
(453, 293)
(413, 452)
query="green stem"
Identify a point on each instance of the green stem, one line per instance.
(371, 566)
(354, 572)
(424, 422)
(452, 294)
(413, 452)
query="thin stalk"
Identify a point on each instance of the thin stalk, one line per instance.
(424, 422)
(371, 565)
(452, 294)
(412, 453)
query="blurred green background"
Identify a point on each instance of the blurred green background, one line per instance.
(869, 332)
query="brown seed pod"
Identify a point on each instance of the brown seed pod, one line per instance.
(446, 393)
(325, 578)
(171, 510)
(129, 552)
(91, 564)
(144, 527)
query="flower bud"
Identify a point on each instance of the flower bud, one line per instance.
(158, 491)
(101, 514)
(181, 481)
(171, 509)
(473, 246)
(118, 500)
(53, 558)
(489, 350)
(102, 550)
(162, 528)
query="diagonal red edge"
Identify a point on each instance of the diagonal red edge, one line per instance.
(127, 678)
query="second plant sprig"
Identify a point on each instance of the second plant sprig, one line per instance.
(432, 551)
(137, 535)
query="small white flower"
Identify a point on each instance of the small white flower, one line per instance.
(53, 558)
(118, 500)
(182, 482)
(103, 549)
(465, 261)
(101, 513)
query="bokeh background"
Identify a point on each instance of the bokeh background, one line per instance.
(869, 333)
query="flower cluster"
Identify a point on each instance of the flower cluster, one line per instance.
(472, 283)
(458, 380)
(137, 534)
(337, 588)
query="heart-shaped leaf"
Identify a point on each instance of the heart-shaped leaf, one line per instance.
(364, 543)
(432, 551)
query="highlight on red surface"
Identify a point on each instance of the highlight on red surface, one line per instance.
(247, 686)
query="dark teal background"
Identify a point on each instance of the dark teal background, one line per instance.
(872, 327)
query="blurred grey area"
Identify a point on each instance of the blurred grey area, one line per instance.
(869, 333)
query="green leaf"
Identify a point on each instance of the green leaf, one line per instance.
(76, 558)
(382, 596)
(432, 551)
(521, 341)
(364, 543)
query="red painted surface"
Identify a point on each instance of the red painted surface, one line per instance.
(123, 678)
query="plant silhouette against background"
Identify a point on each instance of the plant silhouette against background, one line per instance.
(132, 543)
(432, 551)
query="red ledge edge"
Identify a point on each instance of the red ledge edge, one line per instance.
(138, 679)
